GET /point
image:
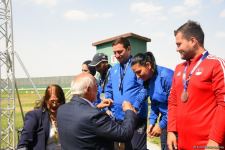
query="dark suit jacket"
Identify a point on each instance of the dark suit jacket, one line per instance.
(83, 127)
(35, 132)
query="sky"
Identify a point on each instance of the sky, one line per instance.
(54, 37)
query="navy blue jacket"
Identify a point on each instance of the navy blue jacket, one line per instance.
(35, 132)
(158, 90)
(83, 127)
(132, 90)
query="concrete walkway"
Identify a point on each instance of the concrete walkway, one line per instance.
(152, 146)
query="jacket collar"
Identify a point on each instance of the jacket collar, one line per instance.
(82, 100)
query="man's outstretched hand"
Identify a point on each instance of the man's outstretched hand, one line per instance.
(105, 103)
(128, 106)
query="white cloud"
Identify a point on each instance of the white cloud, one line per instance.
(222, 14)
(78, 15)
(217, 1)
(178, 9)
(102, 15)
(49, 3)
(220, 34)
(192, 3)
(143, 8)
(189, 8)
(184, 11)
(147, 12)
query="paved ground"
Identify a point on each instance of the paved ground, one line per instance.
(152, 146)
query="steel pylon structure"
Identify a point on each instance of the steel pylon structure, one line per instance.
(7, 77)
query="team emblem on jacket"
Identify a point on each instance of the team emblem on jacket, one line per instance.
(198, 71)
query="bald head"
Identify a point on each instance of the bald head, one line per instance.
(84, 85)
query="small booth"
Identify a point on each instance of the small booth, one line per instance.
(138, 45)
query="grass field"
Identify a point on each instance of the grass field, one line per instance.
(28, 103)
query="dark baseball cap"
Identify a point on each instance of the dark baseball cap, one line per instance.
(98, 58)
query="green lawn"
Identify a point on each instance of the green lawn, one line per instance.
(27, 101)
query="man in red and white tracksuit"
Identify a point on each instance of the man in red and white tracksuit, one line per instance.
(196, 106)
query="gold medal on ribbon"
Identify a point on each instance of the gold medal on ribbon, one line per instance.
(184, 96)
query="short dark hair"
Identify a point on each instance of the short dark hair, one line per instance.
(121, 40)
(59, 94)
(90, 68)
(191, 29)
(143, 58)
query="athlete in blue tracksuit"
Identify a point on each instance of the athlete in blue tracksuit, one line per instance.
(158, 90)
(132, 89)
(157, 80)
(124, 85)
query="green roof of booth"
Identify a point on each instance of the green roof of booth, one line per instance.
(138, 45)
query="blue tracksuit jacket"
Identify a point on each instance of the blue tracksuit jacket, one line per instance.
(158, 90)
(132, 90)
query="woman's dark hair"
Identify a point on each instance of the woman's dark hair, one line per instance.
(143, 58)
(59, 93)
(90, 68)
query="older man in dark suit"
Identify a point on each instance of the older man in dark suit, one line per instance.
(83, 126)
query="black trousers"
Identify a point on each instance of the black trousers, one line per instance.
(163, 139)
(139, 139)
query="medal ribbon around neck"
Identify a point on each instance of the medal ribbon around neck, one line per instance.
(184, 95)
(122, 74)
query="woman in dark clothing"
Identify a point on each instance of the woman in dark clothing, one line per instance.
(40, 126)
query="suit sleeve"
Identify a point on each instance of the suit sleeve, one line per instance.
(172, 108)
(217, 132)
(29, 129)
(107, 128)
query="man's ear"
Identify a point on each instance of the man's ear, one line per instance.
(129, 48)
(87, 90)
(194, 41)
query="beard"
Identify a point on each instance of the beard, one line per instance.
(186, 55)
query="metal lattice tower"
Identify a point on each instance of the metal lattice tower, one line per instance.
(7, 77)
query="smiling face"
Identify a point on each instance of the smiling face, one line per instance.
(186, 47)
(53, 103)
(121, 53)
(143, 72)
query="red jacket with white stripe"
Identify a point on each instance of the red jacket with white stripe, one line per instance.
(202, 117)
